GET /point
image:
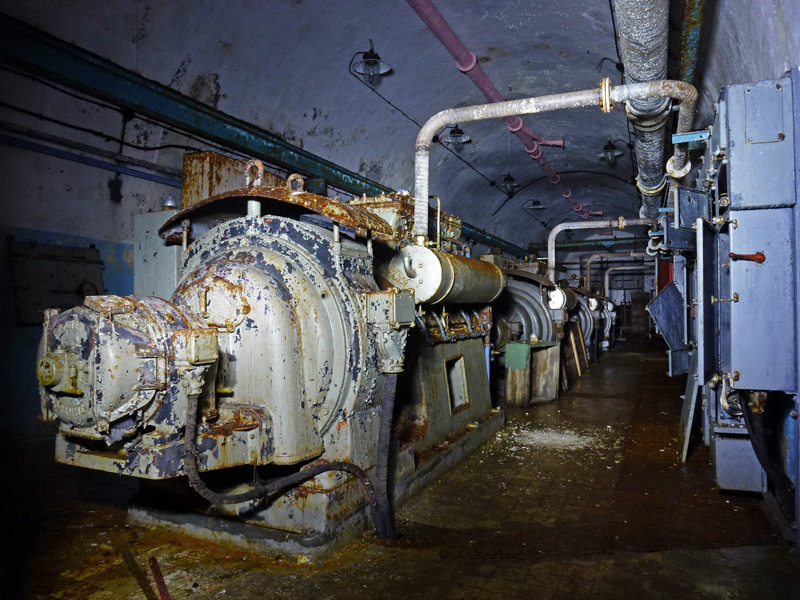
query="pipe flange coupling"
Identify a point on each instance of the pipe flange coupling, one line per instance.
(605, 95)
(652, 191)
(678, 173)
(651, 120)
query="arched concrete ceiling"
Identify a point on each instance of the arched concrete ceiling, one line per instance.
(284, 66)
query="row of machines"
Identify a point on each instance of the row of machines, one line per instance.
(283, 348)
(730, 317)
(271, 331)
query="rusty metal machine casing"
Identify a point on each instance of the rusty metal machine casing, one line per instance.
(278, 314)
(280, 335)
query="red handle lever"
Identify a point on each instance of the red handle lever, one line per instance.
(757, 257)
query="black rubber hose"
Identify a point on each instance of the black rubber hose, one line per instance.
(782, 485)
(270, 487)
(382, 462)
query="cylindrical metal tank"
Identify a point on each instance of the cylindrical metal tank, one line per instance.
(439, 277)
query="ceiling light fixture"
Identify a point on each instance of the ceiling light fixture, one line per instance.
(508, 185)
(610, 153)
(456, 138)
(371, 66)
(533, 205)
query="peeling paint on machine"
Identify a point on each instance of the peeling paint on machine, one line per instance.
(276, 348)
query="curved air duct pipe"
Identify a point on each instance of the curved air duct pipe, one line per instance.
(611, 270)
(643, 29)
(467, 62)
(620, 223)
(610, 256)
(604, 96)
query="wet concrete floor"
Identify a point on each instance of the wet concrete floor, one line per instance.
(581, 498)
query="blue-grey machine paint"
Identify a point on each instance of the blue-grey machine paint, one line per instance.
(258, 337)
(731, 316)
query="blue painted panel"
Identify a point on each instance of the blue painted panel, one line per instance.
(761, 161)
(763, 344)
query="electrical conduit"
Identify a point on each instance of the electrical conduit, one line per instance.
(379, 518)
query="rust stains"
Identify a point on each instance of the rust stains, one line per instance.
(337, 211)
(245, 420)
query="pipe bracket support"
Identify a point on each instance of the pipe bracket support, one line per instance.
(467, 68)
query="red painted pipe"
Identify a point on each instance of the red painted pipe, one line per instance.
(467, 62)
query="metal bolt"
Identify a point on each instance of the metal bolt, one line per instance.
(736, 375)
(793, 414)
(252, 436)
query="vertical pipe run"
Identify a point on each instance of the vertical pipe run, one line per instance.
(487, 352)
(690, 37)
(643, 28)
(382, 494)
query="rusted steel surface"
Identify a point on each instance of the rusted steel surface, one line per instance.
(441, 277)
(207, 174)
(690, 38)
(529, 276)
(336, 210)
(439, 325)
(397, 209)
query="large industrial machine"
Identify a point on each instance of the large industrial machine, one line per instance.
(730, 317)
(270, 330)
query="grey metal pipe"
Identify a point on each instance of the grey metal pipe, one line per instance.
(604, 96)
(620, 223)
(642, 26)
(611, 270)
(609, 256)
